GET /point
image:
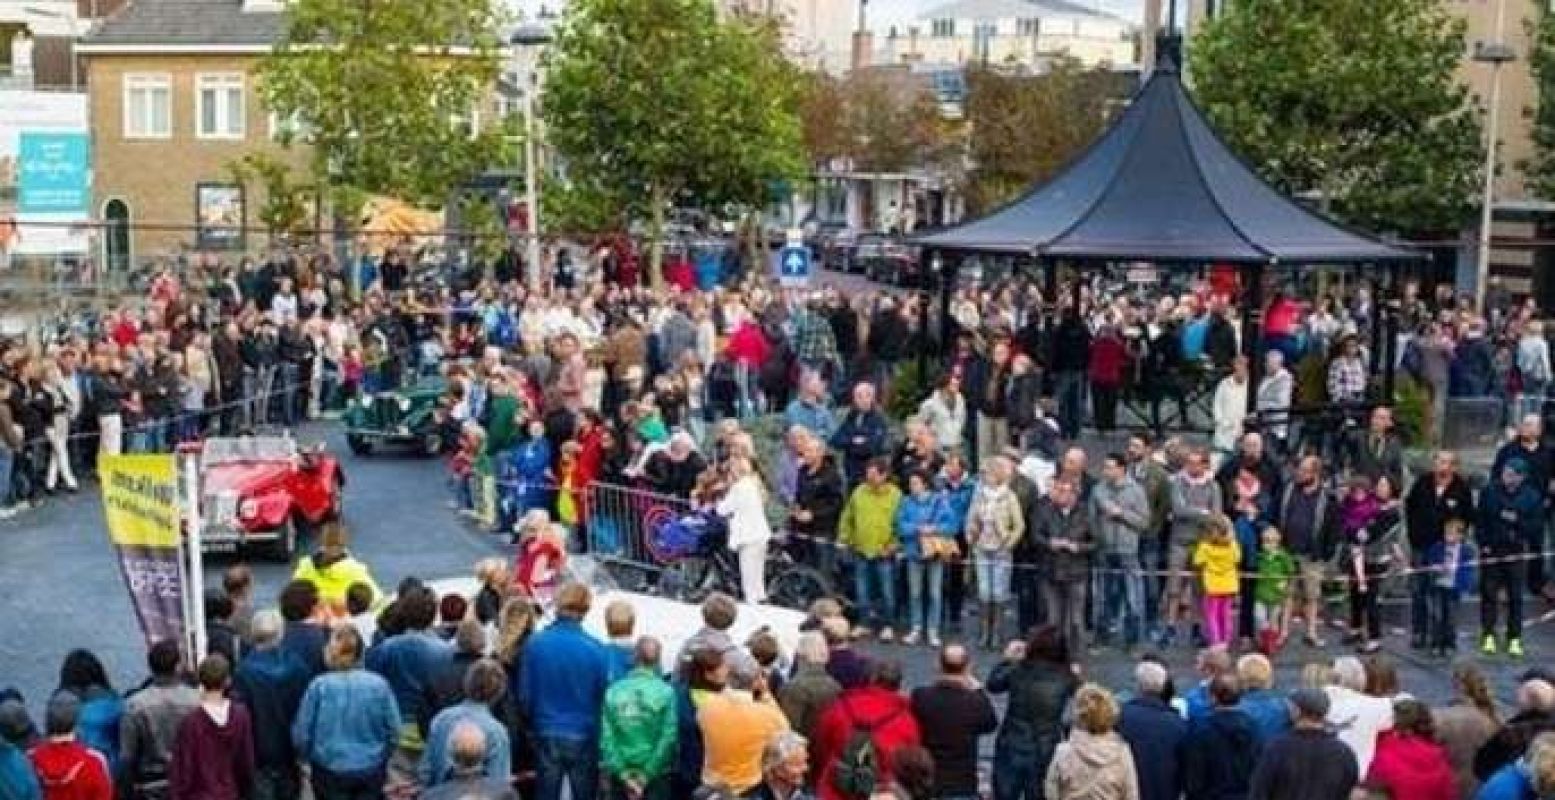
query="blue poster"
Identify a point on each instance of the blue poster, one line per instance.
(54, 171)
(794, 265)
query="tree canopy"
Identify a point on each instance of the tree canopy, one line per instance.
(653, 103)
(393, 96)
(1355, 101)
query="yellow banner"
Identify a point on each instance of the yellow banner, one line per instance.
(140, 499)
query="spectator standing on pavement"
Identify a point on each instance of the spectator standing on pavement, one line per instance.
(810, 690)
(1120, 514)
(945, 412)
(566, 672)
(1229, 408)
(1095, 762)
(1154, 732)
(994, 526)
(1535, 715)
(876, 709)
(736, 725)
(468, 779)
(213, 753)
(1529, 447)
(818, 497)
(1466, 724)
(1221, 751)
(1064, 541)
(1267, 707)
(1410, 762)
(484, 685)
(1377, 452)
(1356, 716)
(1151, 477)
(347, 725)
(411, 661)
(1069, 360)
(785, 765)
(66, 768)
(861, 435)
(924, 531)
(1039, 679)
(1308, 518)
(1434, 499)
(1530, 778)
(1511, 514)
(1196, 499)
(954, 713)
(270, 683)
(1308, 763)
(303, 637)
(639, 728)
(868, 533)
(150, 724)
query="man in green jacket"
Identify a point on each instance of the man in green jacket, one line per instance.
(868, 529)
(637, 734)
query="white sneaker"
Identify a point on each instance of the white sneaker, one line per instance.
(911, 638)
(887, 635)
(934, 640)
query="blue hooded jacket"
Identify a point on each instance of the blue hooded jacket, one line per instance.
(1511, 782)
(17, 781)
(916, 511)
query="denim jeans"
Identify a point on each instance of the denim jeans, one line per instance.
(264, 383)
(276, 783)
(7, 461)
(993, 576)
(1152, 559)
(289, 389)
(919, 573)
(881, 572)
(1123, 596)
(571, 761)
(1017, 776)
(1443, 603)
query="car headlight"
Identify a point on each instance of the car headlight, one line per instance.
(404, 404)
(248, 509)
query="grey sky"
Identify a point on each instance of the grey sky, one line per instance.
(884, 13)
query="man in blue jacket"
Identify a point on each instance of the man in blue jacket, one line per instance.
(412, 661)
(566, 672)
(1511, 513)
(1154, 732)
(861, 435)
(270, 682)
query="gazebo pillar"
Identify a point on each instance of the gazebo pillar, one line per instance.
(1252, 333)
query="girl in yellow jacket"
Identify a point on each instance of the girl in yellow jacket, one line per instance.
(1217, 558)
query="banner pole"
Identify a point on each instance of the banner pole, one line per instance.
(194, 543)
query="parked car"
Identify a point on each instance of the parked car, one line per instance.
(402, 418)
(834, 246)
(889, 260)
(264, 492)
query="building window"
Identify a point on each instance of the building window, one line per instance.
(219, 105)
(1028, 27)
(291, 128)
(148, 106)
(942, 27)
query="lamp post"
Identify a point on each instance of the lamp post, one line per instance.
(1497, 54)
(528, 40)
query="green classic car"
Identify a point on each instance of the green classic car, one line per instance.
(404, 417)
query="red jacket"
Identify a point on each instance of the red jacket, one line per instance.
(748, 346)
(1412, 767)
(894, 725)
(1108, 356)
(71, 771)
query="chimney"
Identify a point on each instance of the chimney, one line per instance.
(863, 40)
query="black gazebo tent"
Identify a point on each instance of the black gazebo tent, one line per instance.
(1161, 186)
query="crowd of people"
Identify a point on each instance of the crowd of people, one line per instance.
(979, 498)
(496, 696)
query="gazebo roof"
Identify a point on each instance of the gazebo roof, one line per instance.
(1161, 185)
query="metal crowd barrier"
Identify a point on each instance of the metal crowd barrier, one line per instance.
(622, 523)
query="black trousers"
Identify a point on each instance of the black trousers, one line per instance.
(365, 785)
(1441, 608)
(1364, 609)
(1104, 406)
(1494, 579)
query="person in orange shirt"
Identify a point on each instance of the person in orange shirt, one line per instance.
(736, 726)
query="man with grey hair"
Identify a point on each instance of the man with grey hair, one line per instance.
(785, 762)
(270, 682)
(468, 747)
(1154, 732)
(1535, 715)
(811, 689)
(1355, 715)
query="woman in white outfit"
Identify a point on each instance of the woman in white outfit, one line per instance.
(749, 532)
(67, 404)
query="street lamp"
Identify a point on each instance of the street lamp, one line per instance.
(527, 42)
(1497, 54)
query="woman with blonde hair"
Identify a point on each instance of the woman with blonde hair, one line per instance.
(1095, 764)
(749, 532)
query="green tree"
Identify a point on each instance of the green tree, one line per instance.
(656, 102)
(385, 92)
(1024, 128)
(1541, 168)
(287, 201)
(1356, 101)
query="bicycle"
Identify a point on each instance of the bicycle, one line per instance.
(715, 568)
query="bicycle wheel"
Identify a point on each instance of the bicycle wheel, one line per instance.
(797, 587)
(687, 580)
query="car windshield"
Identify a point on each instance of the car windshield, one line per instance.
(248, 448)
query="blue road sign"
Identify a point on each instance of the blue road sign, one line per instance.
(794, 265)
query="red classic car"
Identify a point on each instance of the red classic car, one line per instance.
(265, 491)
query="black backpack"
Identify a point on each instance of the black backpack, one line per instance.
(856, 770)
